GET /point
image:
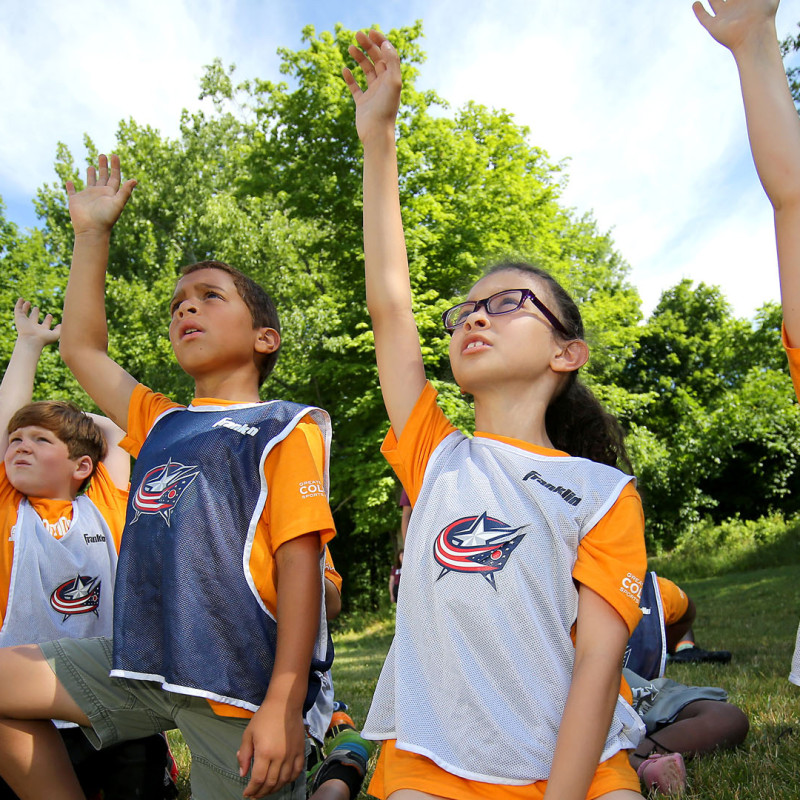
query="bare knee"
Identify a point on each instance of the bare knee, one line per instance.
(29, 688)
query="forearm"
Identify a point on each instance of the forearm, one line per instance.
(386, 262)
(773, 128)
(584, 727)
(85, 330)
(84, 337)
(773, 125)
(397, 348)
(16, 388)
(299, 603)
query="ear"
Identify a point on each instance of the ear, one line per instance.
(83, 468)
(268, 340)
(572, 356)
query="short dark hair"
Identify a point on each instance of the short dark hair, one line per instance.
(262, 308)
(75, 428)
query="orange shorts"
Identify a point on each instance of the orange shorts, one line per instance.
(400, 769)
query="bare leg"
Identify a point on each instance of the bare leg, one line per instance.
(621, 794)
(332, 790)
(34, 760)
(412, 794)
(701, 727)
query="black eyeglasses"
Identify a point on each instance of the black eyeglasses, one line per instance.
(500, 303)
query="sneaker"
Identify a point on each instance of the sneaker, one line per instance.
(348, 753)
(340, 721)
(696, 655)
(665, 773)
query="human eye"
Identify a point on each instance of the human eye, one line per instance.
(504, 302)
(461, 312)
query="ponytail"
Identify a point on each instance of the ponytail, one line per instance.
(577, 424)
(575, 421)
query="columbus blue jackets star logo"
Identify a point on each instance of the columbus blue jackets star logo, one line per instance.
(80, 595)
(162, 488)
(476, 544)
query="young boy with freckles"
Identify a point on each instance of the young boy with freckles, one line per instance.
(218, 619)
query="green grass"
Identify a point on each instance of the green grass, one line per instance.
(754, 614)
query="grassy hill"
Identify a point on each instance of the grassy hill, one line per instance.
(754, 614)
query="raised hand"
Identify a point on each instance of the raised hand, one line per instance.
(734, 22)
(26, 320)
(96, 208)
(376, 108)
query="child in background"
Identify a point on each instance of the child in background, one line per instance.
(394, 577)
(522, 537)
(747, 29)
(58, 543)
(219, 621)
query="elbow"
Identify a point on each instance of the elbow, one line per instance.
(66, 351)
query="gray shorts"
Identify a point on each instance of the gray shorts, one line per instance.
(121, 709)
(659, 701)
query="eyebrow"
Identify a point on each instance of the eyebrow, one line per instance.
(182, 293)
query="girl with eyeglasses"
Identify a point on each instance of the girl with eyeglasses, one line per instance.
(525, 552)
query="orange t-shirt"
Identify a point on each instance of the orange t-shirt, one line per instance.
(606, 555)
(289, 511)
(674, 600)
(793, 354)
(57, 517)
(330, 572)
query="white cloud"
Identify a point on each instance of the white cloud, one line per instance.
(647, 108)
(639, 98)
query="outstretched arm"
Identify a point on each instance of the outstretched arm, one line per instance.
(84, 341)
(747, 29)
(397, 348)
(117, 461)
(16, 388)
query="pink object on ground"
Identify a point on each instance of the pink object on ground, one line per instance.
(664, 772)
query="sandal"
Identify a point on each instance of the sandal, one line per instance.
(664, 772)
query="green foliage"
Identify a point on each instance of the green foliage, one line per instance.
(270, 180)
(735, 545)
(714, 432)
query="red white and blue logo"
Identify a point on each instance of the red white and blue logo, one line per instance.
(480, 544)
(162, 488)
(80, 595)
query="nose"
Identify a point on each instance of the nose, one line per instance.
(187, 306)
(478, 318)
(21, 446)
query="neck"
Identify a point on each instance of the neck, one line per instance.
(236, 387)
(513, 414)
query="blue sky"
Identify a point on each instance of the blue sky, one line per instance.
(636, 95)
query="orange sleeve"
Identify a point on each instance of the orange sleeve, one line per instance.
(674, 600)
(425, 430)
(793, 354)
(611, 558)
(10, 499)
(296, 503)
(110, 500)
(330, 572)
(144, 408)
